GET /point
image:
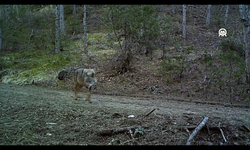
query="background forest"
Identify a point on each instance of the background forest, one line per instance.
(172, 50)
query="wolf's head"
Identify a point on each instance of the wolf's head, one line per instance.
(89, 78)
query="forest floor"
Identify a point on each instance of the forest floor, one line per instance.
(36, 115)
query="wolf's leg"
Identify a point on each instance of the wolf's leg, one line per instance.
(89, 95)
(75, 90)
(76, 84)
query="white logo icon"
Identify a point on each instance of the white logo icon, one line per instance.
(222, 32)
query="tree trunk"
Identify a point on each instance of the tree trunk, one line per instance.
(208, 15)
(17, 10)
(57, 23)
(8, 12)
(141, 33)
(184, 31)
(226, 14)
(0, 39)
(62, 24)
(245, 18)
(29, 15)
(1, 11)
(74, 9)
(247, 51)
(173, 9)
(85, 29)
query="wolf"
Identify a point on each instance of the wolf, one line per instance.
(81, 77)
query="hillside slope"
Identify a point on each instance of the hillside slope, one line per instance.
(203, 67)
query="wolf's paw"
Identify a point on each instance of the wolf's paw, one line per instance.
(88, 100)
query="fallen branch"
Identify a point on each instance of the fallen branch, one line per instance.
(116, 131)
(149, 113)
(196, 130)
(208, 130)
(130, 140)
(221, 131)
(246, 127)
(193, 127)
(131, 133)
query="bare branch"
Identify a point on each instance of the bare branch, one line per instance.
(221, 131)
(149, 112)
(196, 130)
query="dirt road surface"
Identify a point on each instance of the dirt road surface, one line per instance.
(34, 115)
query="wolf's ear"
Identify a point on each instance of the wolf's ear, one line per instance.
(92, 73)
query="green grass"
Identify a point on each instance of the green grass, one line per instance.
(34, 65)
(38, 65)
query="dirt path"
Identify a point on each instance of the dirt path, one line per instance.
(38, 115)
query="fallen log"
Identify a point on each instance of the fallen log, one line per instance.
(108, 132)
(196, 130)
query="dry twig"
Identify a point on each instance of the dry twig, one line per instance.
(221, 131)
(149, 113)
